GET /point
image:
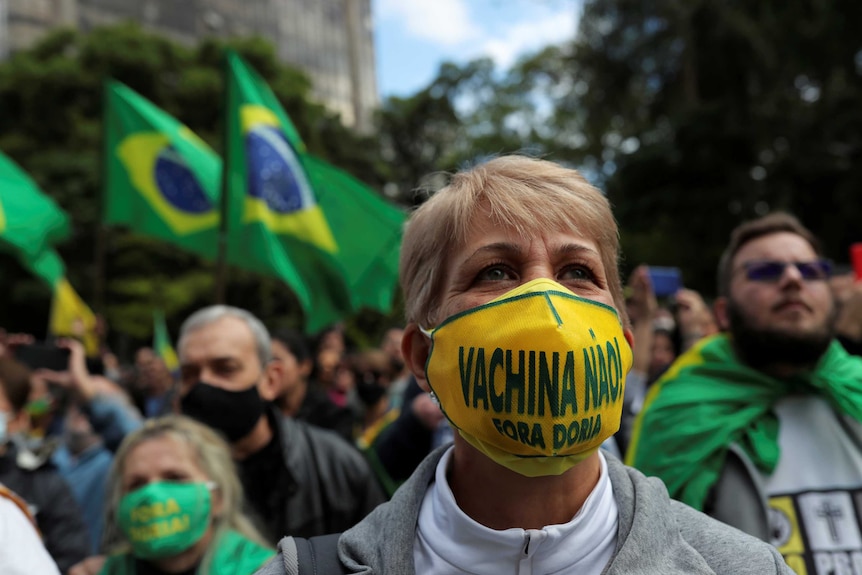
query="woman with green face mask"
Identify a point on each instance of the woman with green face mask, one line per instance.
(175, 507)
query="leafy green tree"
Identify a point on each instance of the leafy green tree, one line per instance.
(468, 112)
(702, 114)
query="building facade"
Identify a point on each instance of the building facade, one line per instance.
(330, 40)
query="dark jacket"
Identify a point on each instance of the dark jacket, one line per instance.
(317, 409)
(316, 482)
(50, 499)
(401, 447)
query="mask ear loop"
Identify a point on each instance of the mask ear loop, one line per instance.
(435, 400)
(212, 486)
(429, 334)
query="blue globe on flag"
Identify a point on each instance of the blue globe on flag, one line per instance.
(274, 172)
(178, 185)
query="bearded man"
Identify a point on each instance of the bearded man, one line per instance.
(760, 426)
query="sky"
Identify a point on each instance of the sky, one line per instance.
(413, 37)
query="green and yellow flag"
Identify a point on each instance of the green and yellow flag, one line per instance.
(161, 179)
(70, 316)
(162, 342)
(274, 221)
(331, 238)
(30, 221)
(366, 229)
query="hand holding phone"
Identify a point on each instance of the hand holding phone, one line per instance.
(665, 281)
(10, 341)
(43, 356)
(66, 366)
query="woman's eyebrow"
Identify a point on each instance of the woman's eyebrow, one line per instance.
(575, 248)
(507, 248)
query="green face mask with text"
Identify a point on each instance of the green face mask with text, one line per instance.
(534, 379)
(165, 518)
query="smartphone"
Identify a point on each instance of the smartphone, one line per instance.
(43, 356)
(856, 259)
(665, 281)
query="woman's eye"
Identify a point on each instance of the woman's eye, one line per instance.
(175, 476)
(578, 272)
(495, 273)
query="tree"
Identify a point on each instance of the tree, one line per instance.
(702, 114)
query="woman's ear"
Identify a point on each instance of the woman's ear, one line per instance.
(217, 500)
(415, 347)
(630, 337)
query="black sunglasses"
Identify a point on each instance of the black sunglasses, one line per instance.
(771, 271)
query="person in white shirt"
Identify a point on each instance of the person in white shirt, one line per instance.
(21, 548)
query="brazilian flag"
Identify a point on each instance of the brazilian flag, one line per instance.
(30, 221)
(339, 240)
(70, 316)
(366, 229)
(161, 179)
(274, 221)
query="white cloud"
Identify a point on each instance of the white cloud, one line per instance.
(443, 22)
(463, 34)
(507, 44)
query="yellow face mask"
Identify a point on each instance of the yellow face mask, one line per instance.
(533, 379)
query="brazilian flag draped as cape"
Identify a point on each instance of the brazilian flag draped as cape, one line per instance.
(708, 400)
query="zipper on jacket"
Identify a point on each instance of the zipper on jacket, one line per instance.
(525, 566)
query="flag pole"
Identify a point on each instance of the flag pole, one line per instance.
(221, 258)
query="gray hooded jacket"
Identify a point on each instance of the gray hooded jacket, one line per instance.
(656, 534)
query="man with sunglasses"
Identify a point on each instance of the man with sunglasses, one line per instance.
(760, 426)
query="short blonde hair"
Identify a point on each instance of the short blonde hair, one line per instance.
(528, 194)
(212, 456)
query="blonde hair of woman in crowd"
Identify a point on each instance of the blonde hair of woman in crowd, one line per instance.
(211, 456)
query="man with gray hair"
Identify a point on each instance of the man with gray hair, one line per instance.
(300, 480)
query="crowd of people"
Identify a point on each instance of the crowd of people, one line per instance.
(485, 435)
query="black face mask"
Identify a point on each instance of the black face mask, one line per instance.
(233, 413)
(369, 391)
